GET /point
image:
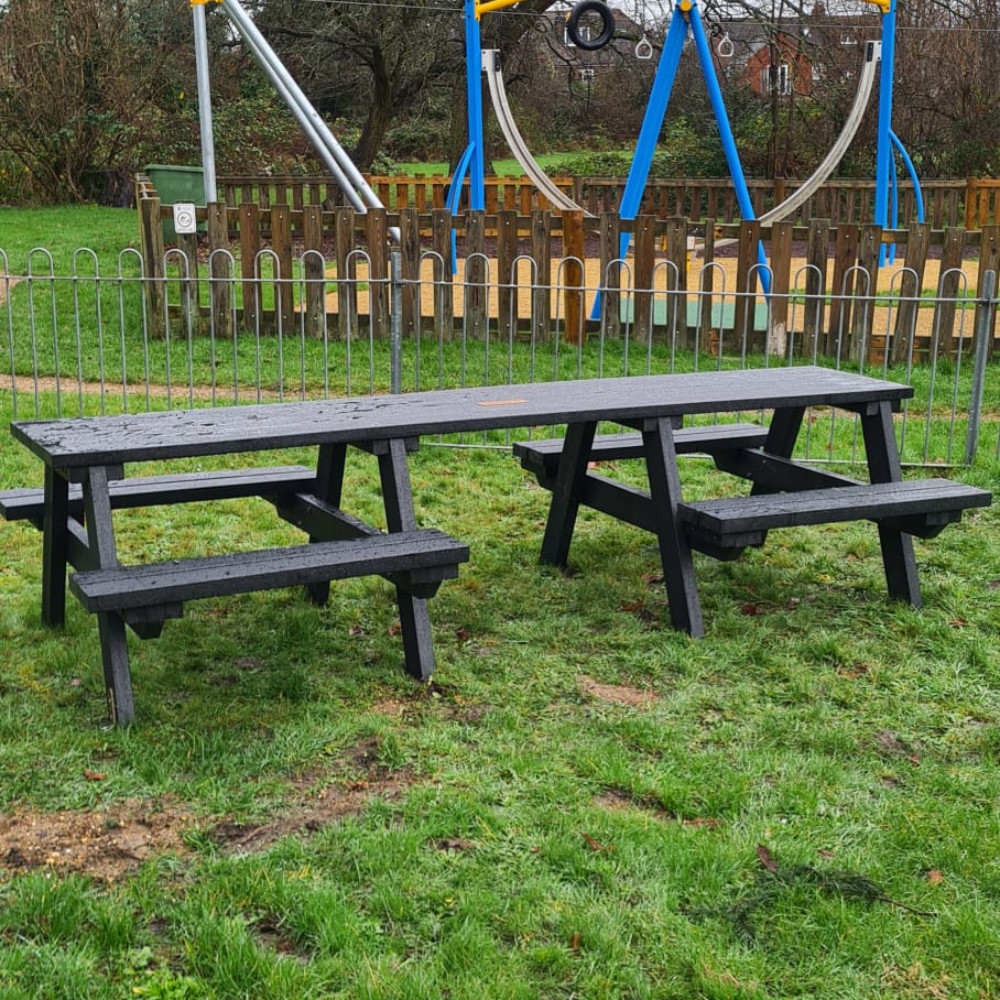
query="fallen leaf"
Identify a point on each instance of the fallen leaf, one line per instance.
(825, 854)
(462, 634)
(75, 682)
(595, 845)
(574, 941)
(752, 608)
(395, 629)
(767, 859)
(958, 623)
(94, 775)
(355, 630)
(935, 876)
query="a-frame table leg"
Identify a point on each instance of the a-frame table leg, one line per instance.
(565, 503)
(675, 554)
(397, 495)
(329, 486)
(54, 541)
(884, 467)
(114, 647)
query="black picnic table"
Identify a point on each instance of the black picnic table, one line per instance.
(84, 461)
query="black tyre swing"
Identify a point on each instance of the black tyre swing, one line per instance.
(585, 10)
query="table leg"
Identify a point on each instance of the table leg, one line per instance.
(114, 647)
(54, 544)
(414, 620)
(565, 505)
(675, 554)
(884, 467)
(329, 486)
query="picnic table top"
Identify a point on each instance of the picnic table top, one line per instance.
(79, 442)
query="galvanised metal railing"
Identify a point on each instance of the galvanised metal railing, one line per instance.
(95, 335)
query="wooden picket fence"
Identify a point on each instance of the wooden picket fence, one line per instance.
(839, 201)
(828, 306)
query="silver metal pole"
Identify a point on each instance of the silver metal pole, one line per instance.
(311, 134)
(275, 69)
(204, 101)
(981, 340)
(396, 324)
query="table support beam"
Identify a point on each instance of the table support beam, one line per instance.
(675, 553)
(566, 493)
(414, 620)
(111, 625)
(884, 467)
(54, 548)
(329, 487)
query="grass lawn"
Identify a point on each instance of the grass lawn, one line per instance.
(583, 804)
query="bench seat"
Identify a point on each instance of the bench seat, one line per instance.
(921, 507)
(428, 555)
(542, 457)
(148, 491)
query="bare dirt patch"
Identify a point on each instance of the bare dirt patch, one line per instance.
(105, 844)
(323, 798)
(621, 800)
(111, 842)
(616, 694)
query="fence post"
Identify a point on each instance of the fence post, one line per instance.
(573, 277)
(444, 291)
(985, 312)
(314, 270)
(910, 288)
(989, 260)
(220, 284)
(154, 287)
(677, 254)
(507, 310)
(778, 334)
(609, 280)
(816, 272)
(249, 248)
(347, 271)
(396, 322)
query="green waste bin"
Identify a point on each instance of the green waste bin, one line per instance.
(175, 184)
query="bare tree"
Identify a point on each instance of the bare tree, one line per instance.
(78, 83)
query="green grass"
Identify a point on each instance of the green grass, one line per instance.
(506, 833)
(502, 168)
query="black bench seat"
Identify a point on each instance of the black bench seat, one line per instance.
(149, 491)
(921, 507)
(542, 457)
(428, 554)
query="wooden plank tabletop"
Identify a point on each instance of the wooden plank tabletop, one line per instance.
(85, 441)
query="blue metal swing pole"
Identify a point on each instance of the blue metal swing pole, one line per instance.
(652, 122)
(474, 100)
(918, 193)
(649, 133)
(884, 148)
(726, 134)
(471, 162)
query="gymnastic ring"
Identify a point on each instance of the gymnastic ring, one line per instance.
(607, 25)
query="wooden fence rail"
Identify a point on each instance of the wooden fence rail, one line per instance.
(947, 202)
(327, 273)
